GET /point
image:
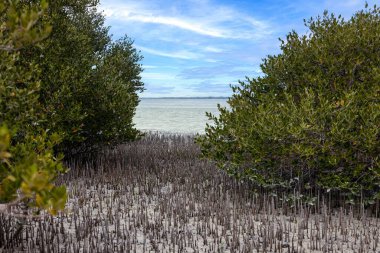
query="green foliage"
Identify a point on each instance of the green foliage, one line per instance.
(62, 82)
(116, 82)
(313, 117)
(27, 165)
(19, 29)
(89, 84)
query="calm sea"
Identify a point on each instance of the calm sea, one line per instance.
(175, 115)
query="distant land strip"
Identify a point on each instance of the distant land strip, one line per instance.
(184, 97)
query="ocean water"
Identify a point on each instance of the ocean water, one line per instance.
(175, 115)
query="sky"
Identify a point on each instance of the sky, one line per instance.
(197, 48)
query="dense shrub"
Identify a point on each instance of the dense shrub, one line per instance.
(27, 164)
(313, 117)
(89, 84)
(64, 85)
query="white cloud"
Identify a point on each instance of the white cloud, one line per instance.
(181, 54)
(210, 20)
(177, 22)
(157, 76)
(208, 34)
(150, 67)
(213, 49)
(344, 4)
(210, 60)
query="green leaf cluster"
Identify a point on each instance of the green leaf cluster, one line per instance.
(64, 86)
(313, 116)
(28, 166)
(89, 84)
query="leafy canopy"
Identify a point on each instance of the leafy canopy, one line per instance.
(314, 115)
(27, 164)
(64, 86)
(89, 84)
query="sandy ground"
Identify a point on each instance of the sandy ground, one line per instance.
(157, 196)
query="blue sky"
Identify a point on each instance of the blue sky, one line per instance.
(199, 47)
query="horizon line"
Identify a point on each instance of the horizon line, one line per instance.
(208, 97)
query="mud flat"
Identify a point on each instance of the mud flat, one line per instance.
(156, 195)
